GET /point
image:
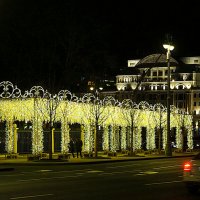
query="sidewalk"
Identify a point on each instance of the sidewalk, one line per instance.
(9, 164)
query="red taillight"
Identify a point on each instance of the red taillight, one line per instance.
(187, 166)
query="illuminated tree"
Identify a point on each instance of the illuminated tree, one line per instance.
(111, 125)
(40, 107)
(96, 112)
(159, 111)
(45, 106)
(65, 110)
(181, 118)
(131, 114)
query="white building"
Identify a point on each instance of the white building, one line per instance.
(146, 79)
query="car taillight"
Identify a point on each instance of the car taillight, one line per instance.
(187, 166)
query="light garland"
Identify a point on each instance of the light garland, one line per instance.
(138, 138)
(179, 138)
(164, 137)
(9, 137)
(123, 138)
(105, 139)
(37, 137)
(190, 138)
(32, 106)
(65, 138)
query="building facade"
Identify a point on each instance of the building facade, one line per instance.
(146, 79)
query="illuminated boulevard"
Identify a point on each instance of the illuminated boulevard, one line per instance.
(147, 179)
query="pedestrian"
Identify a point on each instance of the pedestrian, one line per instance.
(79, 145)
(71, 147)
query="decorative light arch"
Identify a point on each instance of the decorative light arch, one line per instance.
(39, 106)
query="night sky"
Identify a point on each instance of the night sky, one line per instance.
(57, 44)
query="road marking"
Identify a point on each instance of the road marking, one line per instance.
(167, 182)
(149, 172)
(34, 196)
(124, 166)
(40, 179)
(94, 171)
(44, 170)
(166, 167)
(146, 173)
(106, 173)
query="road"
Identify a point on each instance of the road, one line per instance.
(138, 180)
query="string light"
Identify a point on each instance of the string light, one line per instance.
(68, 109)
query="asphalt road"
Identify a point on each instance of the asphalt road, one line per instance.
(138, 180)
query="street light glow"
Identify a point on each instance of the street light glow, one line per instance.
(168, 47)
(91, 88)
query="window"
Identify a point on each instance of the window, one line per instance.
(160, 73)
(195, 103)
(180, 97)
(148, 73)
(180, 104)
(195, 95)
(154, 73)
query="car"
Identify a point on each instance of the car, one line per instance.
(191, 174)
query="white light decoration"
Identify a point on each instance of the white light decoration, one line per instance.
(9, 137)
(179, 141)
(123, 138)
(164, 136)
(112, 139)
(138, 138)
(182, 122)
(65, 138)
(105, 139)
(190, 138)
(150, 139)
(37, 136)
(38, 106)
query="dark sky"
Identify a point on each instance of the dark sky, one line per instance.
(56, 43)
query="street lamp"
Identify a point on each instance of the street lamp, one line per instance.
(168, 149)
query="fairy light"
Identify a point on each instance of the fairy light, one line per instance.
(138, 140)
(32, 106)
(65, 138)
(190, 138)
(179, 141)
(37, 137)
(9, 137)
(105, 139)
(164, 137)
(123, 138)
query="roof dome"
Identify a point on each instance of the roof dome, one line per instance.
(156, 58)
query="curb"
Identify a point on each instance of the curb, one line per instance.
(95, 161)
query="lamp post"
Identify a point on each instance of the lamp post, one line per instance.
(168, 149)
